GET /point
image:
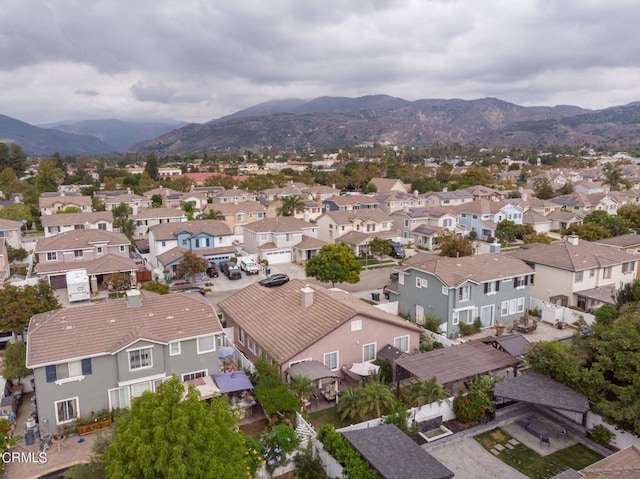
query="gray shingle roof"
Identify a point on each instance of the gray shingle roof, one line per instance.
(394, 455)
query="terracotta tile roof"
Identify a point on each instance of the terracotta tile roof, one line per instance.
(152, 213)
(570, 257)
(275, 318)
(170, 231)
(109, 263)
(231, 208)
(352, 200)
(63, 219)
(80, 239)
(482, 207)
(281, 224)
(105, 327)
(66, 200)
(308, 243)
(479, 268)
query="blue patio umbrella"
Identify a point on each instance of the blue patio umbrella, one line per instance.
(225, 352)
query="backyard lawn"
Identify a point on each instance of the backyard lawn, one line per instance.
(326, 416)
(532, 464)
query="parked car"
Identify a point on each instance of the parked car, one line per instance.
(277, 279)
(212, 270)
(231, 270)
(397, 250)
(248, 265)
(193, 289)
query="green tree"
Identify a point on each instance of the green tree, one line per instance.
(122, 220)
(301, 386)
(613, 177)
(9, 182)
(14, 367)
(630, 214)
(606, 314)
(537, 238)
(334, 263)
(191, 265)
(13, 157)
(7, 440)
(507, 231)
(589, 231)
(543, 190)
(379, 247)
(308, 463)
(18, 304)
(172, 435)
(156, 201)
(424, 392)
(375, 400)
(615, 224)
(48, 177)
(454, 246)
(17, 212)
(347, 406)
(212, 214)
(151, 166)
(290, 204)
(16, 254)
(189, 208)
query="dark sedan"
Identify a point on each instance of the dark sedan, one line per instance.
(275, 280)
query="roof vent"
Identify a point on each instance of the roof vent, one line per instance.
(171, 317)
(573, 239)
(307, 296)
(134, 299)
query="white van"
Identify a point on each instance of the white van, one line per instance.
(248, 265)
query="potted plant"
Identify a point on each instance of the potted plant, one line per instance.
(93, 422)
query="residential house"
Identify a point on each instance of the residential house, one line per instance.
(234, 195)
(423, 226)
(387, 185)
(493, 287)
(10, 231)
(577, 272)
(311, 213)
(540, 223)
(320, 192)
(349, 203)
(61, 223)
(582, 203)
(50, 203)
(149, 217)
(483, 216)
(273, 239)
(398, 201)
(480, 192)
(273, 194)
(211, 239)
(306, 249)
(629, 243)
(590, 187)
(364, 224)
(296, 323)
(113, 199)
(102, 355)
(99, 252)
(237, 215)
(5, 270)
(447, 198)
(562, 220)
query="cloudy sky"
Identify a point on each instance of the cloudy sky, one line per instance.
(196, 60)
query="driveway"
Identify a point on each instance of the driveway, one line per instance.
(469, 460)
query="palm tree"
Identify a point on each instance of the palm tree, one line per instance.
(424, 392)
(212, 215)
(301, 386)
(376, 399)
(348, 403)
(290, 204)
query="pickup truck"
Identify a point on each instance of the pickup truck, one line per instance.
(248, 266)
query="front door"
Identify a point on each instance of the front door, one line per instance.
(486, 315)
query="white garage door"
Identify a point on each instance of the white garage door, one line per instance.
(279, 257)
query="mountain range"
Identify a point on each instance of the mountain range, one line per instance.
(343, 122)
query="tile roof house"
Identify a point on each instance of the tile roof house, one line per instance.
(447, 198)
(295, 323)
(349, 203)
(387, 185)
(422, 226)
(335, 226)
(576, 272)
(99, 252)
(113, 199)
(234, 195)
(61, 223)
(5, 271)
(10, 232)
(49, 203)
(149, 217)
(274, 239)
(483, 216)
(237, 215)
(101, 355)
(493, 287)
(398, 201)
(211, 239)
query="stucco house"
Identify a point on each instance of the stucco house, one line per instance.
(335, 225)
(483, 216)
(10, 232)
(576, 272)
(349, 203)
(447, 198)
(61, 223)
(237, 215)
(113, 199)
(234, 195)
(50, 203)
(273, 239)
(493, 287)
(422, 226)
(398, 201)
(150, 217)
(296, 323)
(102, 355)
(387, 185)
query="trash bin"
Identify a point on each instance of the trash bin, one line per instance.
(29, 437)
(375, 296)
(268, 271)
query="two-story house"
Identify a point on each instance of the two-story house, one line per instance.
(355, 228)
(274, 239)
(5, 270)
(398, 201)
(423, 226)
(583, 203)
(50, 203)
(61, 223)
(483, 216)
(149, 217)
(446, 198)
(113, 199)
(10, 232)
(234, 195)
(349, 203)
(102, 355)
(579, 273)
(211, 239)
(387, 185)
(493, 287)
(237, 215)
(97, 251)
(328, 327)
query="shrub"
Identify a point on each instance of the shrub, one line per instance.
(432, 324)
(276, 444)
(336, 445)
(534, 312)
(600, 434)
(468, 408)
(466, 329)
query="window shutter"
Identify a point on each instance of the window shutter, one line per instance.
(52, 374)
(486, 288)
(515, 282)
(497, 286)
(86, 366)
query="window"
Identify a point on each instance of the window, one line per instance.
(67, 410)
(331, 360)
(402, 343)
(464, 293)
(446, 223)
(520, 281)
(369, 352)
(445, 290)
(78, 227)
(241, 335)
(579, 276)
(71, 370)
(102, 226)
(421, 282)
(356, 325)
(174, 348)
(195, 375)
(520, 305)
(419, 314)
(206, 344)
(504, 308)
(78, 253)
(54, 229)
(455, 318)
(491, 288)
(122, 248)
(52, 256)
(138, 388)
(606, 272)
(627, 267)
(99, 249)
(119, 398)
(140, 358)
(592, 273)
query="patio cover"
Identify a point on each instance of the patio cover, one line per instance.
(205, 385)
(394, 455)
(535, 388)
(364, 369)
(514, 344)
(232, 382)
(312, 369)
(603, 294)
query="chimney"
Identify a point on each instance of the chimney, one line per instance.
(307, 296)
(134, 299)
(573, 239)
